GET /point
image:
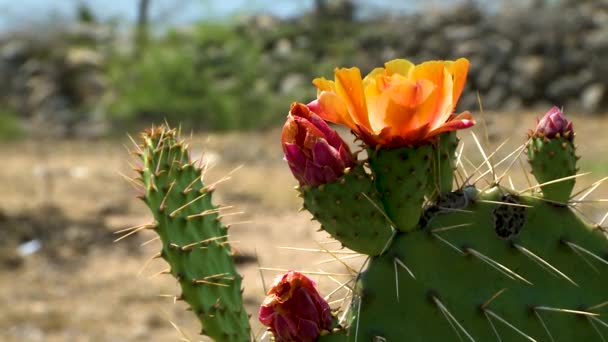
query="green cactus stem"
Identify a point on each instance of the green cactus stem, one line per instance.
(441, 178)
(194, 241)
(509, 267)
(553, 159)
(401, 177)
(349, 210)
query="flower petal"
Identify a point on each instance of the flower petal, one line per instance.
(266, 315)
(324, 84)
(349, 86)
(407, 105)
(308, 331)
(459, 70)
(462, 121)
(323, 154)
(285, 329)
(372, 76)
(399, 66)
(332, 108)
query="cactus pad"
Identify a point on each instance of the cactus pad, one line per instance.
(194, 241)
(461, 278)
(553, 159)
(349, 210)
(401, 177)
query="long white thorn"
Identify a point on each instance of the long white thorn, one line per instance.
(135, 230)
(543, 263)
(598, 321)
(511, 182)
(560, 310)
(521, 149)
(459, 164)
(396, 262)
(380, 210)
(490, 156)
(563, 179)
(176, 211)
(601, 223)
(451, 318)
(586, 251)
(157, 238)
(307, 272)
(491, 313)
(496, 265)
(505, 203)
(341, 286)
(438, 237)
(499, 163)
(327, 261)
(542, 322)
(588, 190)
(492, 326)
(525, 172)
(338, 259)
(446, 228)
(585, 259)
(358, 319)
(485, 157)
(316, 250)
(596, 329)
(598, 306)
(491, 299)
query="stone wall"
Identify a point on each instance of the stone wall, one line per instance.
(520, 58)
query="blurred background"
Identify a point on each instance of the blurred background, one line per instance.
(76, 76)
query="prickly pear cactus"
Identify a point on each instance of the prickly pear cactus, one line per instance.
(194, 241)
(470, 264)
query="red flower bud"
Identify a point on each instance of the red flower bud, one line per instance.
(553, 123)
(315, 153)
(294, 310)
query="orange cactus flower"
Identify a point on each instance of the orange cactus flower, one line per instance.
(397, 105)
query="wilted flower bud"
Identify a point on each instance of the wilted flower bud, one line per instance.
(315, 153)
(553, 123)
(294, 310)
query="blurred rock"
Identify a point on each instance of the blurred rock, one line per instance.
(55, 80)
(593, 96)
(291, 82)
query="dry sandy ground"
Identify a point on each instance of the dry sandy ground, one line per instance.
(80, 286)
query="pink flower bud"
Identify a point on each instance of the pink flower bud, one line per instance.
(315, 153)
(294, 310)
(553, 123)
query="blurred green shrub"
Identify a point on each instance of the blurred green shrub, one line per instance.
(10, 127)
(228, 75)
(209, 78)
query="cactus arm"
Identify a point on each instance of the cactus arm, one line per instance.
(194, 241)
(349, 210)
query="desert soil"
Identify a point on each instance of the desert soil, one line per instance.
(62, 278)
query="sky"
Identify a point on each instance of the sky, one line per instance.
(165, 12)
(24, 13)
